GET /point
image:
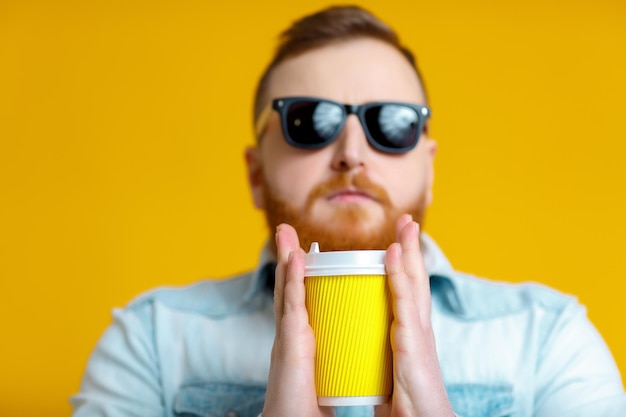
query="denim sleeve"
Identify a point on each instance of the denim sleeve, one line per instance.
(122, 376)
(576, 373)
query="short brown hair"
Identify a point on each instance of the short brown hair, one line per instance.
(334, 24)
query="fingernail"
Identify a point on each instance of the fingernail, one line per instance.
(417, 230)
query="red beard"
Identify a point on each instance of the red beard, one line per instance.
(349, 229)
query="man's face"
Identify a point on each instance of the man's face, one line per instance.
(346, 195)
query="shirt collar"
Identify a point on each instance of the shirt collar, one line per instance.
(441, 274)
(263, 275)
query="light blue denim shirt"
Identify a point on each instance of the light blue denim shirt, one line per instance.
(204, 350)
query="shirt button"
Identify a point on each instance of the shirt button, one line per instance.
(232, 413)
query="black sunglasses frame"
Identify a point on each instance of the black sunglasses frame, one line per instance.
(281, 105)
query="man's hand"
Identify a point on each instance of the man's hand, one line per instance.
(291, 382)
(418, 388)
(418, 385)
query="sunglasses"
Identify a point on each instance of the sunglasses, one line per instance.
(312, 123)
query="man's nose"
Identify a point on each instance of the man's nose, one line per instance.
(351, 146)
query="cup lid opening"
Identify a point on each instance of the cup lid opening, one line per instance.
(354, 262)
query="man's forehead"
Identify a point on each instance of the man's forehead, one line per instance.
(355, 71)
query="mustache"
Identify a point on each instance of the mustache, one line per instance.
(359, 182)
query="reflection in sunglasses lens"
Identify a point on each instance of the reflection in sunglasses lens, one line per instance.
(397, 123)
(327, 118)
(313, 122)
(392, 125)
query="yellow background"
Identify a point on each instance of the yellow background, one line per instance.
(123, 125)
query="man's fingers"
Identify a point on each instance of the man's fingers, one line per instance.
(411, 256)
(294, 299)
(400, 223)
(395, 270)
(286, 242)
(415, 269)
(409, 281)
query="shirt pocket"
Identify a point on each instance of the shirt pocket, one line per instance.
(219, 400)
(481, 400)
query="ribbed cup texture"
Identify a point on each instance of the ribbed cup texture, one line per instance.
(350, 316)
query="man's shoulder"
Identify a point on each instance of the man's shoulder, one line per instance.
(210, 297)
(484, 298)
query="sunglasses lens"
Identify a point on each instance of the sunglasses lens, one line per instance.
(311, 124)
(393, 126)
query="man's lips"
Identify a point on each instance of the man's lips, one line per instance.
(350, 196)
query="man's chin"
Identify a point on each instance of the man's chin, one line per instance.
(368, 217)
(347, 230)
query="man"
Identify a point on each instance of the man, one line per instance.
(344, 158)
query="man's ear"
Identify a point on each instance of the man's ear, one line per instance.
(430, 180)
(255, 175)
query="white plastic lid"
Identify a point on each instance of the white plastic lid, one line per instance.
(356, 262)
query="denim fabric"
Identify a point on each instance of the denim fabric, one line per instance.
(219, 399)
(505, 350)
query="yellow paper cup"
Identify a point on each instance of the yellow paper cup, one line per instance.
(348, 302)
